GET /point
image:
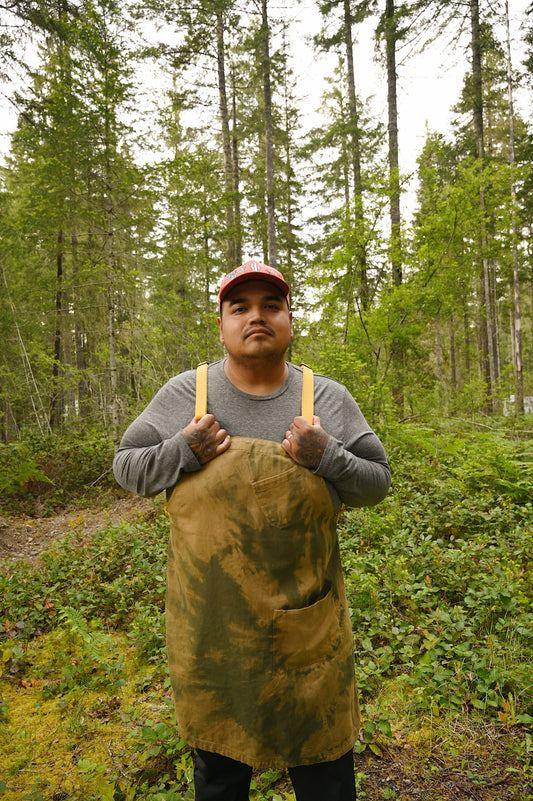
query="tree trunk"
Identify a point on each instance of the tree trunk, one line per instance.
(394, 193)
(394, 165)
(269, 151)
(57, 400)
(79, 348)
(113, 375)
(288, 190)
(495, 326)
(466, 329)
(236, 175)
(355, 155)
(453, 361)
(111, 324)
(207, 284)
(352, 101)
(231, 256)
(487, 339)
(112, 272)
(517, 327)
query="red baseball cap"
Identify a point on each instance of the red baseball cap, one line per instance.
(253, 269)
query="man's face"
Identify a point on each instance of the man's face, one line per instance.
(255, 322)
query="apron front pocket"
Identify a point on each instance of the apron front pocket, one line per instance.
(279, 498)
(304, 637)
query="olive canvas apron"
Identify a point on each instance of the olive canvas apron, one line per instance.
(258, 631)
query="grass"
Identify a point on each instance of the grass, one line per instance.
(440, 589)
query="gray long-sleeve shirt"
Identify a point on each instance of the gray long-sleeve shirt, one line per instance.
(153, 453)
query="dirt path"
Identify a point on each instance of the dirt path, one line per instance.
(25, 538)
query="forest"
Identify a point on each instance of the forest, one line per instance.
(156, 146)
(118, 217)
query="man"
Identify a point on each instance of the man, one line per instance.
(258, 631)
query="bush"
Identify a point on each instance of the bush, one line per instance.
(103, 577)
(439, 578)
(40, 475)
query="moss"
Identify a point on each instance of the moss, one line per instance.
(80, 742)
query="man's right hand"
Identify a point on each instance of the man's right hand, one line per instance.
(205, 438)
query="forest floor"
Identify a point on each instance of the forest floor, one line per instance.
(25, 538)
(439, 760)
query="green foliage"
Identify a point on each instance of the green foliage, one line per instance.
(440, 587)
(96, 665)
(102, 578)
(147, 631)
(166, 759)
(440, 591)
(42, 474)
(20, 473)
(265, 786)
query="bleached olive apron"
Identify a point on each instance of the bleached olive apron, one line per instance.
(258, 631)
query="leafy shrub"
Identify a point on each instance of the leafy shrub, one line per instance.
(85, 657)
(40, 475)
(439, 578)
(103, 577)
(148, 631)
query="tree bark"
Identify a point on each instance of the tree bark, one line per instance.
(236, 174)
(397, 353)
(112, 271)
(231, 255)
(269, 150)
(487, 339)
(57, 401)
(393, 152)
(517, 326)
(361, 258)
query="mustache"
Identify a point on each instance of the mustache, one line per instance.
(258, 329)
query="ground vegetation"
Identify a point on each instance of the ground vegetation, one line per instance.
(440, 592)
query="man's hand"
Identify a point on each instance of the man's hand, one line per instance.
(205, 438)
(305, 443)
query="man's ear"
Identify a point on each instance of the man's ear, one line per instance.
(221, 333)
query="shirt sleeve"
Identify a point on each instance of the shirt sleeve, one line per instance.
(356, 466)
(153, 454)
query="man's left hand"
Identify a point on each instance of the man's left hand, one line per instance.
(306, 443)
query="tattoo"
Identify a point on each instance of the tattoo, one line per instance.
(201, 443)
(310, 451)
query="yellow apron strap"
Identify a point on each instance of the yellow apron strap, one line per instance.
(307, 394)
(308, 405)
(201, 391)
(201, 398)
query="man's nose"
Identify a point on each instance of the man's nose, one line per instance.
(256, 314)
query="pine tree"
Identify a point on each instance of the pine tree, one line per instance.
(75, 196)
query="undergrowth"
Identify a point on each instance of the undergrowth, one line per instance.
(41, 475)
(439, 576)
(440, 590)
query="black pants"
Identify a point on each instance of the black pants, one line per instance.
(219, 778)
